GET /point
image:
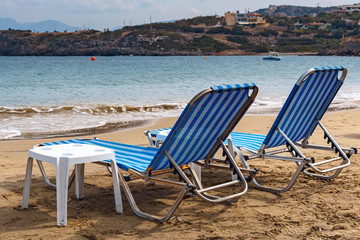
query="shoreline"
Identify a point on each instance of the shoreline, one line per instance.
(232, 52)
(110, 128)
(115, 127)
(106, 128)
(227, 53)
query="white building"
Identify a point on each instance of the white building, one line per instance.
(350, 8)
(243, 18)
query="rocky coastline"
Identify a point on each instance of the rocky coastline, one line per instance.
(86, 43)
(156, 43)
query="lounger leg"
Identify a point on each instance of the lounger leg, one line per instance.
(46, 178)
(26, 191)
(44, 175)
(232, 152)
(140, 213)
(288, 186)
(240, 179)
(116, 186)
(79, 180)
(322, 173)
(62, 179)
(301, 167)
(325, 177)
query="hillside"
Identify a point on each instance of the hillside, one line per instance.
(196, 36)
(293, 11)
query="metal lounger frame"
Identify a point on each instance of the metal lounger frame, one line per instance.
(303, 163)
(194, 187)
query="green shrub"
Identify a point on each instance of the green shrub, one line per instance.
(237, 30)
(208, 44)
(237, 39)
(219, 30)
(269, 32)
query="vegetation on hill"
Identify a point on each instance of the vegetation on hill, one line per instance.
(293, 11)
(327, 33)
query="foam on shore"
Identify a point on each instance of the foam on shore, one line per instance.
(64, 121)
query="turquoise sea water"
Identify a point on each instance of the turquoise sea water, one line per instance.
(56, 94)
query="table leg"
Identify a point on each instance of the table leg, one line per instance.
(116, 185)
(62, 179)
(79, 180)
(27, 183)
(197, 170)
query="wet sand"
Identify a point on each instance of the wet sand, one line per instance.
(312, 209)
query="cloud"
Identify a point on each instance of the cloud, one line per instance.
(99, 5)
(148, 1)
(23, 3)
(8, 4)
(196, 11)
(69, 5)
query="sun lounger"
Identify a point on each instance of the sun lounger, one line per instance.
(296, 122)
(198, 134)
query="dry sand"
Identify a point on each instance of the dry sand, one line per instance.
(312, 209)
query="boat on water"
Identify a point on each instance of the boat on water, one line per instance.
(273, 56)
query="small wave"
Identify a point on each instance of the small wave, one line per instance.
(337, 106)
(105, 128)
(96, 109)
(8, 134)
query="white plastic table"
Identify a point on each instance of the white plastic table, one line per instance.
(63, 156)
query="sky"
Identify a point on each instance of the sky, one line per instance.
(101, 14)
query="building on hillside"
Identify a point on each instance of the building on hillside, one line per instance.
(351, 23)
(230, 18)
(326, 25)
(298, 25)
(255, 18)
(350, 8)
(243, 18)
(318, 25)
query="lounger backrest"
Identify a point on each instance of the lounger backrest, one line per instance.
(306, 105)
(210, 115)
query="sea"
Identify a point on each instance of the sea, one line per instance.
(73, 95)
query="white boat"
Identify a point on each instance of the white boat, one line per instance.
(273, 56)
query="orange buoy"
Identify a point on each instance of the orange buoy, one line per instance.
(205, 58)
(92, 58)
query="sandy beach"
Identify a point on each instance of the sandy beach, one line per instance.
(312, 209)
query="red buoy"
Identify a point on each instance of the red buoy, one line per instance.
(92, 58)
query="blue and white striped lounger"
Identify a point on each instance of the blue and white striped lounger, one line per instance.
(296, 122)
(200, 131)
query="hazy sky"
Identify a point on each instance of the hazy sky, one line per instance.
(100, 14)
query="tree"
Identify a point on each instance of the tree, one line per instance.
(237, 30)
(338, 34)
(338, 23)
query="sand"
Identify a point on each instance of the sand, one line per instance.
(312, 209)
